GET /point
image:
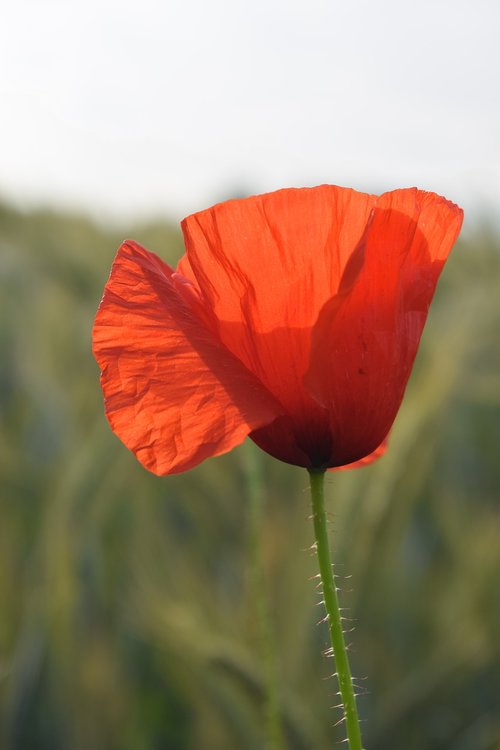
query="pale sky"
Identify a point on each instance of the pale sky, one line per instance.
(131, 109)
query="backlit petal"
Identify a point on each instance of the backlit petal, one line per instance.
(265, 267)
(367, 336)
(173, 393)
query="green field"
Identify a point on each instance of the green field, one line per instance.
(129, 618)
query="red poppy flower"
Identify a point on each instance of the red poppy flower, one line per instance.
(294, 318)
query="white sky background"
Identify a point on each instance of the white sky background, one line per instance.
(164, 107)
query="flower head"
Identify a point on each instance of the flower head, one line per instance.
(294, 318)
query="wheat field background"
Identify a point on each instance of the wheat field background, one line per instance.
(127, 612)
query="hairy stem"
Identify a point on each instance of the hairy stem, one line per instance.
(333, 612)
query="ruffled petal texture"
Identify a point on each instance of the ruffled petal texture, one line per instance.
(323, 294)
(173, 393)
(265, 266)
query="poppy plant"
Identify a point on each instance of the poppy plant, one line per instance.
(294, 318)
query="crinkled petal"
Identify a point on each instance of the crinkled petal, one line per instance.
(273, 260)
(173, 393)
(367, 336)
(265, 266)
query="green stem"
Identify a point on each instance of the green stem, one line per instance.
(273, 723)
(333, 612)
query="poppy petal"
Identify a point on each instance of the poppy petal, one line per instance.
(273, 260)
(367, 460)
(173, 393)
(279, 439)
(367, 336)
(265, 266)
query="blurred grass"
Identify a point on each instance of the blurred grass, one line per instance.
(127, 617)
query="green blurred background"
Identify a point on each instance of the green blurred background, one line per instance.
(128, 611)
